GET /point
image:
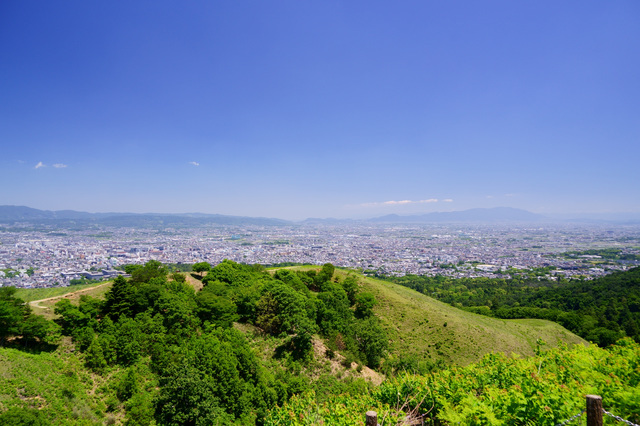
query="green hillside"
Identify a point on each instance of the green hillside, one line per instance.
(422, 326)
(415, 325)
(243, 340)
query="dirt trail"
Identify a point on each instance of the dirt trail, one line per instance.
(70, 295)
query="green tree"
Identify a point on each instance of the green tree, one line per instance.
(364, 305)
(151, 269)
(201, 267)
(218, 310)
(350, 286)
(372, 340)
(119, 300)
(333, 310)
(12, 312)
(281, 309)
(325, 274)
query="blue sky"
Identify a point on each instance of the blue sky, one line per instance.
(297, 109)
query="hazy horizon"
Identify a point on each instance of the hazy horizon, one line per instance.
(294, 110)
(615, 216)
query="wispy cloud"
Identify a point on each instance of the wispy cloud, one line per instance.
(400, 203)
(194, 163)
(59, 166)
(40, 164)
(447, 200)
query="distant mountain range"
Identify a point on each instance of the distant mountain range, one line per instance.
(492, 215)
(13, 214)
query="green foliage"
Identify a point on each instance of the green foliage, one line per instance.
(371, 339)
(325, 274)
(151, 269)
(544, 390)
(350, 286)
(201, 267)
(601, 310)
(17, 320)
(172, 355)
(334, 311)
(218, 310)
(119, 300)
(364, 305)
(280, 309)
(18, 416)
(12, 312)
(215, 379)
(232, 273)
(178, 277)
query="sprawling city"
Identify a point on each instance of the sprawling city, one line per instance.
(49, 256)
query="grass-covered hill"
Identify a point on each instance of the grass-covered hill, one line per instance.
(428, 329)
(226, 345)
(423, 331)
(602, 310)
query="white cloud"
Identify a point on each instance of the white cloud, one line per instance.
(59, 166)
(447, 200)
(194, 163)
(400, 202)
(40, 164)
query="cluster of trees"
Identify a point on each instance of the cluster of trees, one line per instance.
(10, 273)
(200, 369)
(602, 310)
(19, 325)
(297, 304)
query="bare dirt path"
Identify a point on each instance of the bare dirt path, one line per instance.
(71, 295)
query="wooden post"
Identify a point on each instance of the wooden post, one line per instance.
(594, 410)
(372, 418)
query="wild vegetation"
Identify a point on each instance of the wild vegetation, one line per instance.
(249, 345)
(176, 355)
(546, 389)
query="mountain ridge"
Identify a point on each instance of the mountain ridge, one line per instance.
(13, 214)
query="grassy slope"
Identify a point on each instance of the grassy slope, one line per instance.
(415, 326)
(30, 294)
(55, 382)
(43, 303)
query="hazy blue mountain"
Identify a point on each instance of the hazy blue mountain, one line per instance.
(490, 215)
(12, 214)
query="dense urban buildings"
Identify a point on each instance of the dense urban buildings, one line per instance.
(41, 256)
